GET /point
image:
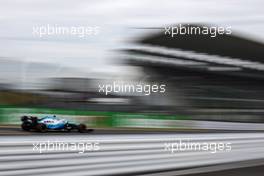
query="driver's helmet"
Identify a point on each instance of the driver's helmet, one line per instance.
(53, 117)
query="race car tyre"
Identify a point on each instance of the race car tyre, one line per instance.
(90, 130)
(41, 128)
(26, 126)
(81, 128)
(68, 127)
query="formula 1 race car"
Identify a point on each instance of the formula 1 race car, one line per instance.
(51, 123)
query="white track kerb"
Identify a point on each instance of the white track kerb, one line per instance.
(125, 154)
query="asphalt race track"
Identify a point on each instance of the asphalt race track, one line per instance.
(130, 154)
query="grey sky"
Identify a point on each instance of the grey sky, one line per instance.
(115, 19)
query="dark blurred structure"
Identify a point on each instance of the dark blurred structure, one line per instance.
(218, 78)
(206, 78)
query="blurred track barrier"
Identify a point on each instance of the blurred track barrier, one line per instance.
(122, 154)
(11, 116)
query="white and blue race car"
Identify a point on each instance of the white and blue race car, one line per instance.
(50, 123)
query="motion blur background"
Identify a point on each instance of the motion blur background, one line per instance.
(212, 83)
(58, 72)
